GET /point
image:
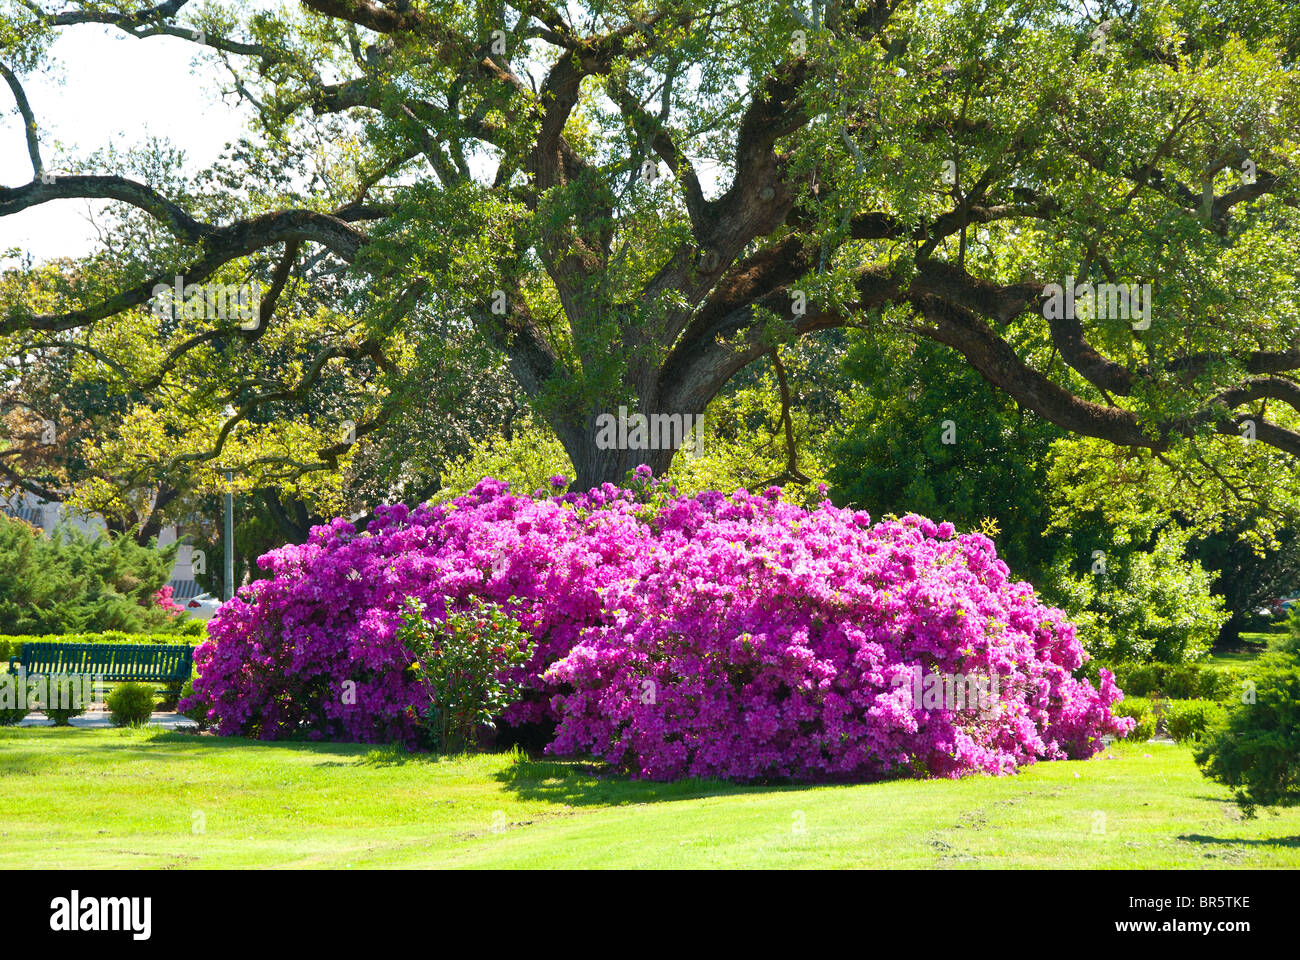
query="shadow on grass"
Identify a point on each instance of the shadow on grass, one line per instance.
(1293, 842)
(568, 782)
(371, 755)
(333, 754)
(578, 784)
(20, 754)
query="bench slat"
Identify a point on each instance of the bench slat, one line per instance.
(114, 661)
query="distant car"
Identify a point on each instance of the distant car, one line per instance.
(1280, 606)
(202, 607)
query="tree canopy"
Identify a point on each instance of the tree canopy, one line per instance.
(1092, 204)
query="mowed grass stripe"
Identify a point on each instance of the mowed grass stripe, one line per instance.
(141, 799)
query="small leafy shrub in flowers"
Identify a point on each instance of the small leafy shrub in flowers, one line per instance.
(735, 636)
(464, 660)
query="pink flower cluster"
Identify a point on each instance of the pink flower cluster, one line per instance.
(163, 598)
(732, 636)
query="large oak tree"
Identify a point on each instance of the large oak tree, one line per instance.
(633, 201)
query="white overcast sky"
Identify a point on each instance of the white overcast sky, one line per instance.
(109, 90)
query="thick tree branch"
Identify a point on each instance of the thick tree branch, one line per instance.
(150, 22)
(91, 187)
(29, 122)
(220, 246)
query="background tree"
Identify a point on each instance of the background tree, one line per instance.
(71, 582)
(1141, 601)
(136, 403)
(769, 426)
(1248, 577)
(926, 434)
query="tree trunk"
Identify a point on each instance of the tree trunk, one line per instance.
(1230, 633)
(596, 461)
(153, 525)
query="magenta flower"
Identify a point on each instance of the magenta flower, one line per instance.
(731, 636)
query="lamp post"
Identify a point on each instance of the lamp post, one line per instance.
(228, 544)
(229, 552)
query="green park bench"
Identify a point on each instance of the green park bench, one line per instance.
(170, 663)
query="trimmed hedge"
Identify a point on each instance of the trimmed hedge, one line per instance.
(1185, 720)
(12, 646)
(1190, 719)
(1179, 681)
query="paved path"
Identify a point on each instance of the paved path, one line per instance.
(97, 716)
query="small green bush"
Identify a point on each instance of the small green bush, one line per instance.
(1185, 720)
(131, 704)
(61, 715)
(10, 717)
(60, 697)
(1145, 729)
(197, 709)
(463, 660)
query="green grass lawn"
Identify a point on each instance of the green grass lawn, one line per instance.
(1254, 646)
(137, 799)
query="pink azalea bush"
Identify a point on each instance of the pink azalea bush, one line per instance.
(732, 636)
